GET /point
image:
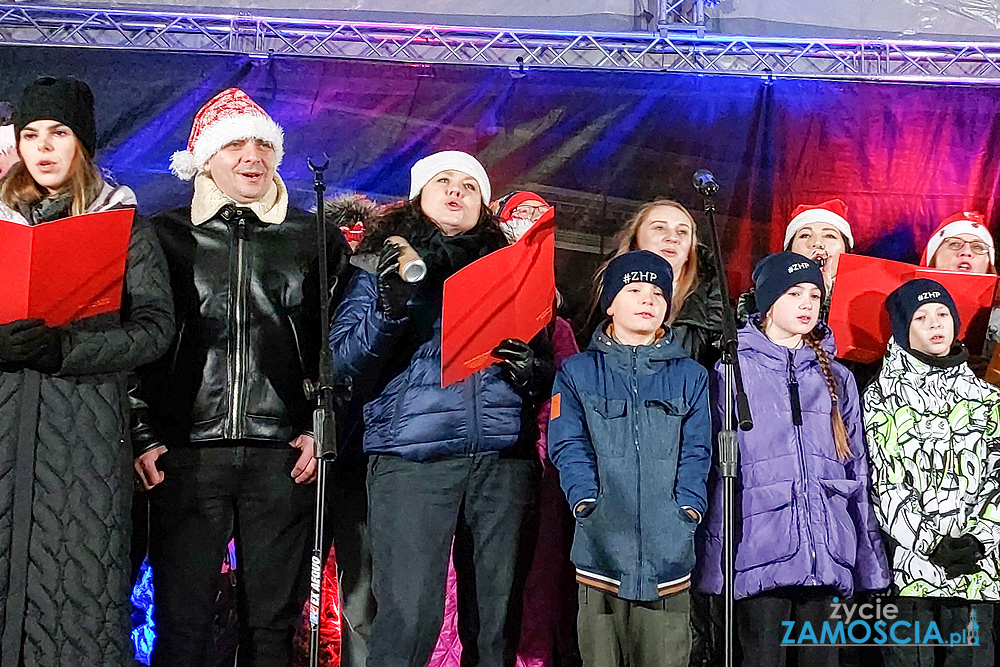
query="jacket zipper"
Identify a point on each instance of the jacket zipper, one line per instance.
(793, 392)
(235, 429)
(638, 467)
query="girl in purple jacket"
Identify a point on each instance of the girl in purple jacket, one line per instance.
(808, 532)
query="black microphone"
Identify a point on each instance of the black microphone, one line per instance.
(705, 183)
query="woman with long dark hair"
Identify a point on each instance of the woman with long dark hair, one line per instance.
(441, 459)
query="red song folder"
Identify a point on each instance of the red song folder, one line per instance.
(860, 321)
(507, 294)
(66, 269)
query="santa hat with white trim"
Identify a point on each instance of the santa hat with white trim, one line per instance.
(229, 116)
(966, 222)
(832, 212)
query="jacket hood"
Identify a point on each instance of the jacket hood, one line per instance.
(753, 341)
(662, 350)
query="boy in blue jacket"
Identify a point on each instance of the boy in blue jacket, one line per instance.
(630, 433)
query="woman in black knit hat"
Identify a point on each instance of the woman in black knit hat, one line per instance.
(65, 474)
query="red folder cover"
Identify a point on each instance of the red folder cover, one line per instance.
(507, 294)
(66, 269)
(860, 321)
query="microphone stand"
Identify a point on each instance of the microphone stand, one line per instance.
(728, 449)
(324, 425)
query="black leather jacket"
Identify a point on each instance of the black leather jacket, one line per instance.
(246, 297)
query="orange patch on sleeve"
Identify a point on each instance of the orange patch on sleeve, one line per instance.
(556, 406)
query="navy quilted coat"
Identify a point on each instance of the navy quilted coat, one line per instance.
(413, 416)
(66, 480)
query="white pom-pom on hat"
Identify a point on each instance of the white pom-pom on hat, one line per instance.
(229, 116)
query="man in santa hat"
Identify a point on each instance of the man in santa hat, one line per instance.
(222, 426)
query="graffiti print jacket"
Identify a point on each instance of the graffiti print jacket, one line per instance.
(934, 441)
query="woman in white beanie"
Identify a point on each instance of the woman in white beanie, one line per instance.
(441, 459)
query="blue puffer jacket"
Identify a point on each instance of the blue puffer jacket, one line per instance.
(631, 428)
(413, 416)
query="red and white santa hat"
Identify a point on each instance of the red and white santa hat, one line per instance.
(832, 212)
(966, 222)
(229, 116)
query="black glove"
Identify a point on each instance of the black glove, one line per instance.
(393, 292)
(517, 363)
(958, 555)
(31, 344)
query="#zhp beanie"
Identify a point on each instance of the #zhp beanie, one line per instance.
(776, 274)
(637, 266)
(65, 100)
(906, 299)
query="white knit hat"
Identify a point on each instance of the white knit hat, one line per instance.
(427, 168)
(229, 116)
(832, 212)
(966, 222)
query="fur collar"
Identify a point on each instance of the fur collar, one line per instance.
(208, 199)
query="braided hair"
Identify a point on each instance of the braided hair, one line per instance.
(839, 429)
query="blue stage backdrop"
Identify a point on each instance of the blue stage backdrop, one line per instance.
(902, 156)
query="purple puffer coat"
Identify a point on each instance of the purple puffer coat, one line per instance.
(807, 518)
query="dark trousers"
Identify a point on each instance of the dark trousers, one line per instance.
(413, 512)
(616, 632)
(347, 522)
(951, 615)
(208, 495)
(758, 623)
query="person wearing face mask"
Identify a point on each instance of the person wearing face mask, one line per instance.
(934, 435)
(665, 227)
(66, 496)
(8, 142)
(441, 459)
(518, 211)
(222, 427)
(808, 529)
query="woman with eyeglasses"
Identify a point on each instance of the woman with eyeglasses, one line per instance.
(961, 243)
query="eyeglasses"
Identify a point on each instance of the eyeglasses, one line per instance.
(956, 244)
(528, 211)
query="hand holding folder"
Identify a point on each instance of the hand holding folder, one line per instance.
(64, 270)
(507, 294)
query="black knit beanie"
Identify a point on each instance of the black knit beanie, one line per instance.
(906, 299)
(636, 266)
(65, 100)
(776, 274)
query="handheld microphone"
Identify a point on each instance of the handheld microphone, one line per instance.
(704, 182)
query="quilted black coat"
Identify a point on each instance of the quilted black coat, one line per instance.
(66, 480)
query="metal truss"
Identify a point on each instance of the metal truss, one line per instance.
(670, 49)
